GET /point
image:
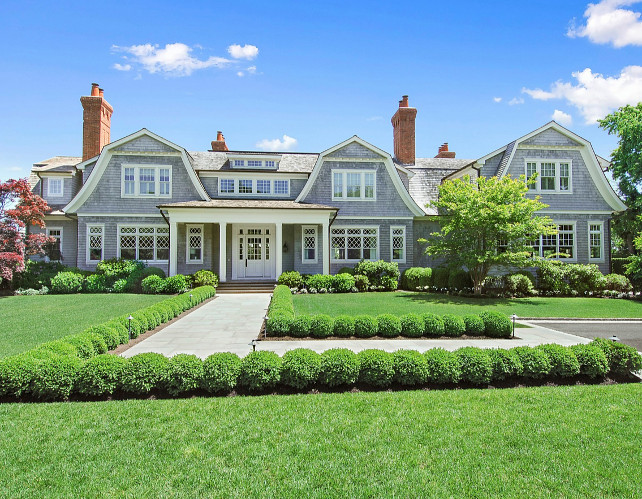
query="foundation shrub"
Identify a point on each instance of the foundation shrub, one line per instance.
(144, 372)
(361, 282)
(474, 325)
(375, 368)
(593, 361)
(443, 366)
(453, 325)
(260, 371)
(204, 278)
(433, 325)
(176, 284)
(584, 278)
(476, 365)
(321, 326)
(66, 283)
(623, 359)
(365, 326)
(416, 278)
(459, 279)
(300, 326)
(617, 282)
(563, 361)
(58, 347)
(376, 271)
(319, 281)
(185, 373)
(82, 343)
(120, 286)
(118, 268)
(153, 285)
(96, 283)
(278, 325)
(535, 362)
(291, 279)
(412, 325)
(36, 274)
(389, 283)
(388, 325)
(343, 283)
(519, 284)
(496, 324)
(339, 367)
(221, 372)
(346, 270)
(108, 333)
(99, 376)
(440, 278)
(410, 367)
(55, 377)
(506, 364)
(300, 368)
(343, 326)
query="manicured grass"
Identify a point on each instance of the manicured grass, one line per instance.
(27, 321)
(575, 441)
(400, 303)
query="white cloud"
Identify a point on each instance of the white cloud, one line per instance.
(606, 23)
(240, 74)
(122, 67)
(287, 144)
(374, 118)
(497, 99)
(251, 70)
(248, 52)
(595, 95)
(174, 59)
(515, 101)
(562, 118)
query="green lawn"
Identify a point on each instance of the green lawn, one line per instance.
(27, 321)
(575, 441)
(400, 303)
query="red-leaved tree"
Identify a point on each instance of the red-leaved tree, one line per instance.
(19, 208)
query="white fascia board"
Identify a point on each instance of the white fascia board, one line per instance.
(251, 156)
(245, 215)
(246, 174)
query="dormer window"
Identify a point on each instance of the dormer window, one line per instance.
(552, 176)
(146, 181)
(353, 185)
(254, 163)
(239, 162)
(54, 187)
(259, 161)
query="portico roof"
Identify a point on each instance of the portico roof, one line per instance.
(249, 204)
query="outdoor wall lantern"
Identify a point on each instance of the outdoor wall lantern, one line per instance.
(514, 317)
(130, 326)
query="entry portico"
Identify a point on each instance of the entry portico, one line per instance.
(246, 237)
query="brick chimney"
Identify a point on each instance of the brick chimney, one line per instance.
(443, 151)
(403, 125)
(219, 144)
(96, 123)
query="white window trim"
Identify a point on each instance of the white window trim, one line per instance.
(344, 182)
(187, 246)
(557, 163)
(254, 157)
(139, 226)
(378, 257)
(588, 227)
(61, 235)
(137, 168)
(102, 249)
(316, 244)
(557, 223)
(254, 179)
(62, 187)
(392, 229)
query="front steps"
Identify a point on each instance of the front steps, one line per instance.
(245, 287)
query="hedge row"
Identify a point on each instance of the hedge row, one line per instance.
(302, 369)
(45, 370)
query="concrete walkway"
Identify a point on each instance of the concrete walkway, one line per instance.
(230, 322)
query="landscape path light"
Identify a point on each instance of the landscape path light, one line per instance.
(614, 338)
(514, 317)
(130, 318)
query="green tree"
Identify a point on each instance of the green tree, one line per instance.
(626, 168)
(485, 223)
(634, 268)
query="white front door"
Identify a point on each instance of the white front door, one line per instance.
(253, 258)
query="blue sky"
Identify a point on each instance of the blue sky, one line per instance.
(480, 73)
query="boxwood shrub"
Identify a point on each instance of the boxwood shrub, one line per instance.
(412, 325)
(58, 347)
(416, 278)
(433, 325)
(321, 326)
(99, 376)
(476, 365)
(623, 359)
(221, 372)
(144, 372)
(453, 325)
(278, 325)
(375, 367)
(535, 362)
(344, 326)
(66, 283)
(339, 366)
(506, 364)
(153, 285)
(185, 373)
(474, 325)
(443, 366)
(593, 362)
(300, 326)
(563, 361)
(107, 333)
(410, 367)
(55, 376)
(291, 279)
(365, 326)
(18, 372)
(388, 325)
(176, 284)
(260, 370)
(343, 283)
(496, 324)
(82, 343)
(300, 368)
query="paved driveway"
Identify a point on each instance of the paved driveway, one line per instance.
(629, 332)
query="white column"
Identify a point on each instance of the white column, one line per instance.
(325, 245)
(278, 251)
(173, 248)
(222, 252)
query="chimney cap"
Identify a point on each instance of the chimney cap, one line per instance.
(404, 101)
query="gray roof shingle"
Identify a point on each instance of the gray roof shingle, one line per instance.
(217, 161)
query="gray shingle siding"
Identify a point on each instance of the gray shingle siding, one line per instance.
(69, 238)
(145, 144)
(210, 250)
(354, 150)
(490, 167)
(70, 187)
(550, 137)
(422, 230)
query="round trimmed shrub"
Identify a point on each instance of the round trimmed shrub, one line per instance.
(18, 372)
(365, 326)
(291, 279)
(221, 372)
(66, 283)
(443, 366)
(453, 325)
(278, 325)
(344, 326)
(535, 362)
(185, 373)
(593, 362)
(476, 366)
(496, 324)
(300, 326)
(321, 326)
(100, 347)
(99, 376)
(563, 361)
(58, 347)
(176, 284)
(83, 344)
(506, 364)
(55, 377)
(375, 367)
(459, 279)
(474, 325)
(144, 372)
(339, 366)
(134, 279)
(412, 326)
(260, 370)
(433, 325)
(108, 333)
(96, 283)
(410, 367)
(623, 359)
(388, 325)
(343, 283)
(204, 278)
(440, 278)
(153, 285)
(361, 282)
(120, 286)
(300, 368)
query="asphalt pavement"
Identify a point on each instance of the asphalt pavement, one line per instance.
(629, 332)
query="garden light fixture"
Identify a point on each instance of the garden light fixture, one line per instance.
(614, 338)
(514, 317)
(130, 318)
(253, 343)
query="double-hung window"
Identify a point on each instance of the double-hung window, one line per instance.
(148, 243)
(54, 249)
(263, 187)
(596, 241)
(227, 186)
(547, 178)
(254, 187)
(282, 187)
(194, 244)
(309, 243)
(95, 239)
(54, 187)
(552, 176)
(560, 246)
(398, 244)
(354, 185)
(245, 186)
(146, 181)
(354, 243)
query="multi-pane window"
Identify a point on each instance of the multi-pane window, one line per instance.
(263, 186)
(164, 181)
(146, 181)
(130, 181)
(309, 244)
(547, 178)
(194, 244)
(95, 243)
(54, 249)
(353, 185)
(149, 243)
(245, 186)
(270, 164)
(553, 176)
(398, 244)
(254, 163)
(54, 187)
(565, 176)
(227, 186)
(531, 170)
(282, 187)
(354, 243)
(239, 162)
(595, 241)
(254, 187)
(556, 246)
